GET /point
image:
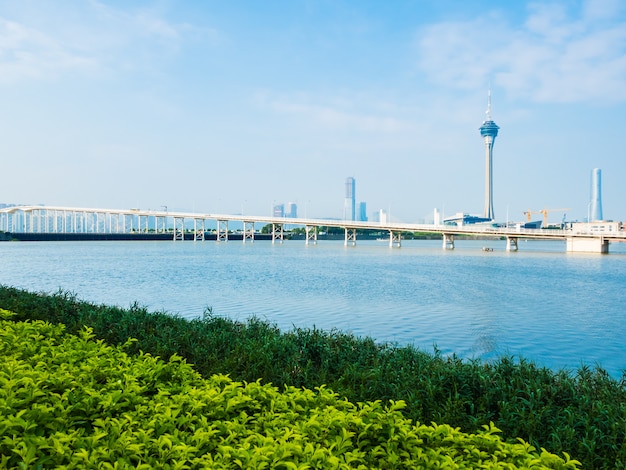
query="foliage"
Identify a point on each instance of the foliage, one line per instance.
(70, 401)
(582, 413)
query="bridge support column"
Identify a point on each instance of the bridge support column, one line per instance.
(198, 230)
(248, 231)
(179, 228)
(222, 231)
(311, 234)
(278, 234)
(587, 245)
(350, 238)
(160, 224)
(448, 241)
(511, 243)
(395, 239)
(142, 227)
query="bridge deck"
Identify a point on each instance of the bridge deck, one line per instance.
(54, 219)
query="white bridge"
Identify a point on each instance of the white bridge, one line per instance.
(49, 220)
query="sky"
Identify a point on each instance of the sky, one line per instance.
(232, 107)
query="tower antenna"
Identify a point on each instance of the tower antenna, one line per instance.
(489, 103)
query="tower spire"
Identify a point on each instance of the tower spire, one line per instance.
(489, 103)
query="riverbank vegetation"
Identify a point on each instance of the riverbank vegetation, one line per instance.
(582, 412)
(69, 401)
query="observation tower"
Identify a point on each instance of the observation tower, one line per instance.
(489, 131)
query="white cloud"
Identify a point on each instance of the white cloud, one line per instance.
(602, 9)
(554, 55)
(28, 53)
(93, 38)
(339, 114)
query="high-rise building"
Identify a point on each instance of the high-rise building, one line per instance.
(278, 210)
(596, 196)
(362, 212)
(349, 208)
(292, 210)
(382, 216)
(489, 131)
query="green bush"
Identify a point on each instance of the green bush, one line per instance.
(70, 401)
(582, 412)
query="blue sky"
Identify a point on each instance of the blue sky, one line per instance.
(223, 107)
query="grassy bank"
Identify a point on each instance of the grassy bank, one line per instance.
(70, 402)
(582, 413)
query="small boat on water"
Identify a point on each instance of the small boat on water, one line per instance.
(485, 248)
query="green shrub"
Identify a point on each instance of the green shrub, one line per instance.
(582, 412)
(71, 401)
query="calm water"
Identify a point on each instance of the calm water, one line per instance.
(558, 309)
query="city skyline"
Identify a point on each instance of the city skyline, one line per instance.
(218, 107)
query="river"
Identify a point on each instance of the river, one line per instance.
(558, 309)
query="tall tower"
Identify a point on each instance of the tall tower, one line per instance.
(349, 207)
(596, 195)
(489, 131)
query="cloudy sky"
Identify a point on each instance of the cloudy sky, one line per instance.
(215, 106)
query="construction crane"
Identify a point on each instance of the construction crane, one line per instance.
(529, 214)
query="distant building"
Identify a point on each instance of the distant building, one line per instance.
(382, 216)
(278, 210)
(596, 196)
(349, 207)
(362, 212)
(292, 210)
(436, 217)
(461, 218)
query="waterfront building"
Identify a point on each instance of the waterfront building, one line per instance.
(382, 216)
(489, 132)
(362, 212)
(292, 210)
(349, 207)
(278, 210)
(596, 196)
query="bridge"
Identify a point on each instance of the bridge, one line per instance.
(48, 220)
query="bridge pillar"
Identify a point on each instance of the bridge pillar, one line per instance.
(160, 224)
(350, 238)
(248, 231)
(448, 241)
(278, 234)
(311, 234)
(395, 239)
(142, 227)
(222, 231)
(198, 232)
(179, 228)
(587, 245)
(511, 243)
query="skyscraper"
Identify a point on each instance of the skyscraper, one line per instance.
(278, 210)
(363, 211)
(292, 210)
(596, 195)
(349, 207)
(489, 131)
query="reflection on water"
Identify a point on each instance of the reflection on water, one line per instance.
(557, 308)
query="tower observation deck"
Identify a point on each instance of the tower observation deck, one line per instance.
(489, 132)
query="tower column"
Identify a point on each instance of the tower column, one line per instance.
(489, 132)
